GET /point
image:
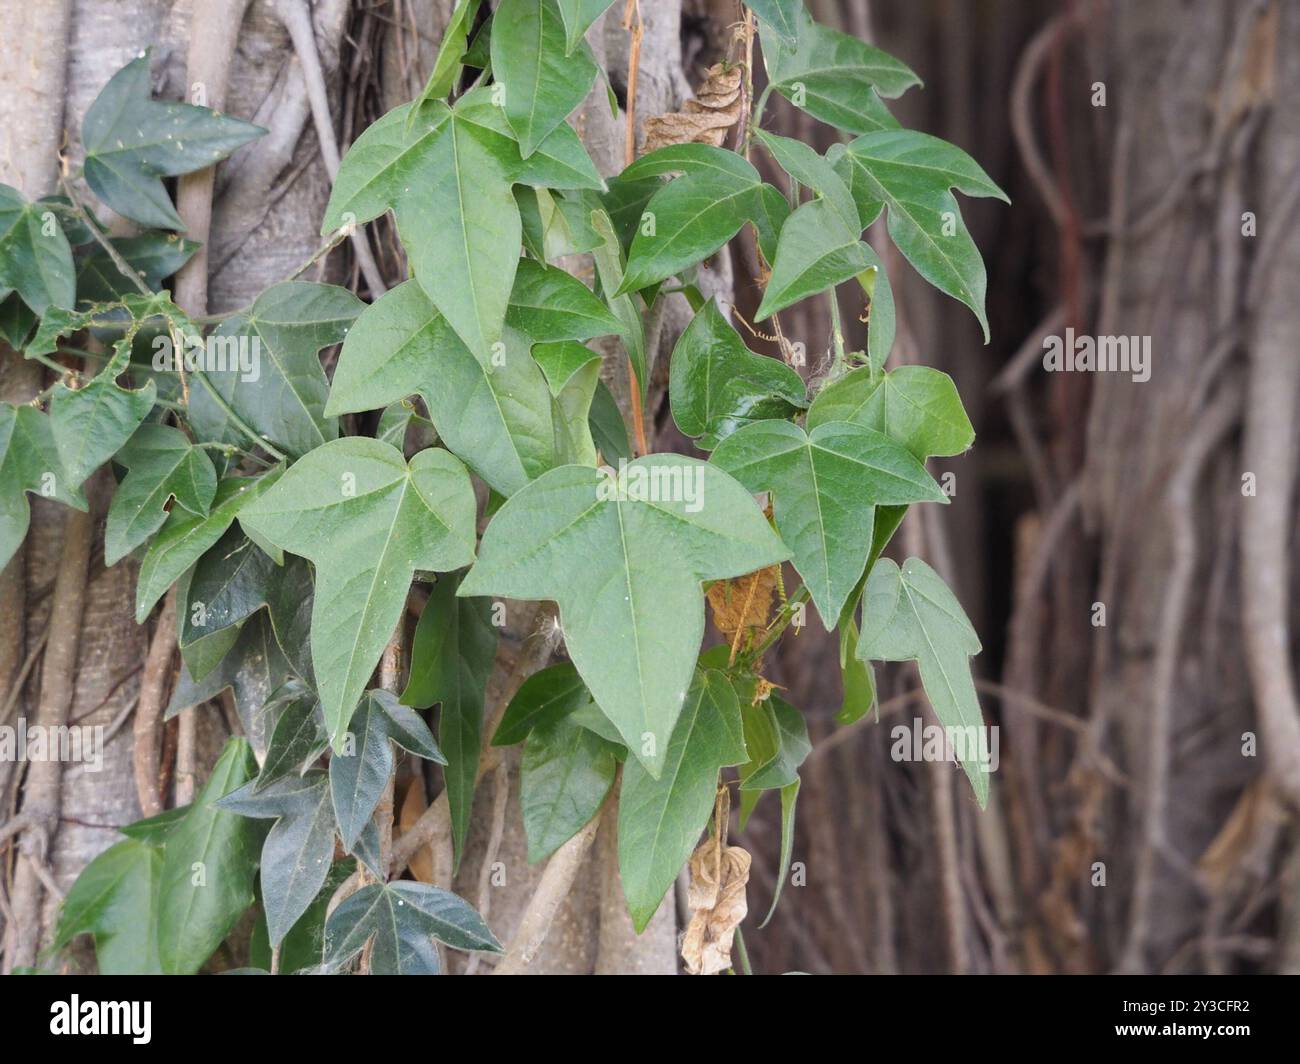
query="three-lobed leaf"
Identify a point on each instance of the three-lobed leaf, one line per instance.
(623, 557)
(133, 141)
(826, 486)
(367, 519)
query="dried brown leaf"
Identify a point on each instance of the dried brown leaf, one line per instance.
(743, 603)
(704, 120)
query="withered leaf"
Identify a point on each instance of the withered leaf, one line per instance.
(703, 120)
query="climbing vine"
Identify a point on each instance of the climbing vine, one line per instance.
(467, 452)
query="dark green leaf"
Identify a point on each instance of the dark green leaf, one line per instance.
(185, 537)
(659, 821)
(35, 258)
(92, 423)
(155, 256)
(299, 849)
(29, 461)
(207, 871)
(402, 917)
(718, 385)
(564, 775)
(547, 696)
(452, 655)
(363, 762)
(266, 365)
(132, 141)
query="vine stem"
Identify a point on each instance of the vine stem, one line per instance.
(124, 268)
(778, 626)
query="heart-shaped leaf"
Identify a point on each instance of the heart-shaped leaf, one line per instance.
(717, 385)
(367, 519)
(623, 557)
(826, 486)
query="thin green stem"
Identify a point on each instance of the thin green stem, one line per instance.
(837, 330)
(742, 954)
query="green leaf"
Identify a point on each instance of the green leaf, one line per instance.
(692, 216)
(608, 429)
(92, 423)
(402, 917)
(16, 321)
(572, 371)
(793, 746)
(298, 738)
(909, 614)
(717, 385)
(268, 366)
(154, 255)
(298, 850)
(817, 250)
(449, 190)
(859, 682)
(207, 870)
(115, 899)
(811, 170)
(35, 257)
(185, 537)
(543, 85)
(564, 775)
(163, 465)
(560, 161)
(29, 461)
(133, 141)
(609, 269)
(914, 405)
(623, 558)
(367, 519)
(548, 304)
(660, 820)
(579, 15)
(826, 487)
(452, 655)
(789, 796)
(783, 16)
(834, 77)
(497, 418)
(254, 669)
(910, 174)
(451, 53)
(547, 696)
(229, 584)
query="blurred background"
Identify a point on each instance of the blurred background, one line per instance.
(1123, 548)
